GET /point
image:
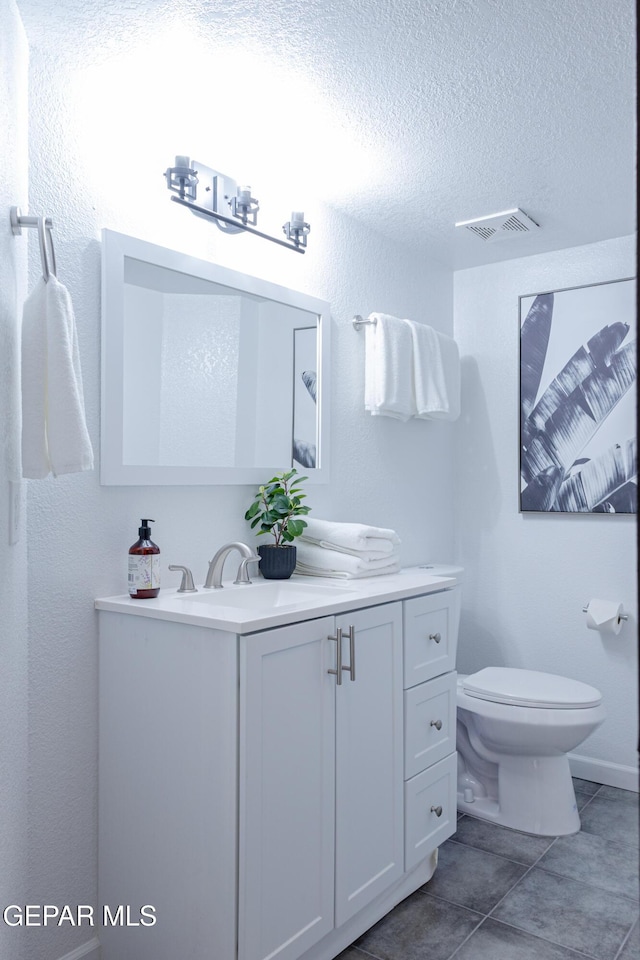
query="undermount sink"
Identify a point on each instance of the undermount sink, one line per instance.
(266, 594)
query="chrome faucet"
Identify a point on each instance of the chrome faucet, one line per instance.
(214, 574)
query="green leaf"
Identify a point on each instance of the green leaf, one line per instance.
(253, 509)
(295, 528)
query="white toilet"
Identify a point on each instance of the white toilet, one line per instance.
(514, 730)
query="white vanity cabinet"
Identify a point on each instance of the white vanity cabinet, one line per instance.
(263, 808)
(321, 798)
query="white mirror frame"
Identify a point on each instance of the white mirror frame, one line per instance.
(113, 471)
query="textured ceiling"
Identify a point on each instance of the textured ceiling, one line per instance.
(408, 114)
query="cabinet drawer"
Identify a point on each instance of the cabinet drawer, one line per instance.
(430, 810)
(430, 634)
(429, 723)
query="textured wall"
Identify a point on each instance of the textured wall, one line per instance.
(411, 114)
(528, 576)
(13, 557)
(384, 472)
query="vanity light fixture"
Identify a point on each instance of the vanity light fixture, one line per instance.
(230, 206)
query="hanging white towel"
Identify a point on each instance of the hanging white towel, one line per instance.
(388, 351)
(354, 539)
(54, 432)
(436, 374)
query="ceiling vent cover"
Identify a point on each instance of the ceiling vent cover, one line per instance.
(509, 224)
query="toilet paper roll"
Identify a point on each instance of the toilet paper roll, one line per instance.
(605, 616)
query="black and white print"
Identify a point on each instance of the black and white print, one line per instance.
(578, 446)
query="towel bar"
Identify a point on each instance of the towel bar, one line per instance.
(359, 321)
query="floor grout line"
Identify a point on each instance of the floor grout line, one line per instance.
(461, 945)
(626, 939)
(593, 886)
(519, 863)
(538, 936)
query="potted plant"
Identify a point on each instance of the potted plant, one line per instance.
(277, 507)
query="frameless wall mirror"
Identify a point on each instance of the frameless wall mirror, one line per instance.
(208, 375)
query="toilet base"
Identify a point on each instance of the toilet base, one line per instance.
(534, 795)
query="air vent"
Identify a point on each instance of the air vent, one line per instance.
(510, 224)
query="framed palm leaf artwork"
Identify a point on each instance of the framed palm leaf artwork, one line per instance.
(578, 445)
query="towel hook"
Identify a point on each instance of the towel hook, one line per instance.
(45, 226)
(42, 240)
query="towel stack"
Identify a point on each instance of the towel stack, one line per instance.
(411, 370)
(346, 550)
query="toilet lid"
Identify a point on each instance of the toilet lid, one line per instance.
(530, 688)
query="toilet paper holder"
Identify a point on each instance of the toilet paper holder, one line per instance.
(622, 616)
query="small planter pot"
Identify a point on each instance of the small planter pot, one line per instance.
(277, 563)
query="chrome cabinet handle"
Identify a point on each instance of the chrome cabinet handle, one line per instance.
(435, 636)
(437, 724)
(352, 652)
(339, 668)
(437, 811)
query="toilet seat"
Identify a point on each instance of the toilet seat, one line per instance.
(530, 688)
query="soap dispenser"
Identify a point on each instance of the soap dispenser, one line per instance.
(144, 565)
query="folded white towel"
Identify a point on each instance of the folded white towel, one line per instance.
(355, 539)
(54, 433)
(312, 555)
(436, 374)
(388, 351)
(309, 570)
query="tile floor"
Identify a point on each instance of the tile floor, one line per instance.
(502, 895)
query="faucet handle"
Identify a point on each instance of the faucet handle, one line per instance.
(186, 584)
(242, 575)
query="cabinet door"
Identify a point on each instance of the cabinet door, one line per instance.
(369, 760)
(287, 790)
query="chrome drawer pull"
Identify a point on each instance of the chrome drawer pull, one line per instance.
(437, 724)
(435, 636)
(437, 811)
(338, 671)
(351, 633)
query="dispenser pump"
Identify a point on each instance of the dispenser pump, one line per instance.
(144, 531)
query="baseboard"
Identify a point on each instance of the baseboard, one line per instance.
(86, 951)
(601, 771)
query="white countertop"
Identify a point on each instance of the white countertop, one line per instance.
(274, 603)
